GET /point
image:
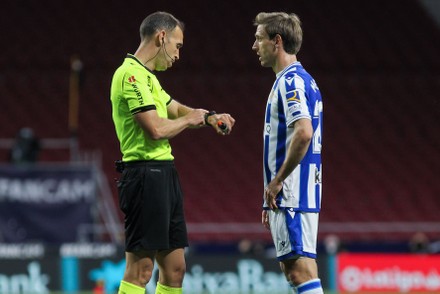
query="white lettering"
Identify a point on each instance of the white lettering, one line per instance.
(354, 279)
(88, 250)
(46, 190)
(21, 251)
(32, 282)
(250, 278)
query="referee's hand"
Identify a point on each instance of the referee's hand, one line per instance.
(222, 123)
(196, 117)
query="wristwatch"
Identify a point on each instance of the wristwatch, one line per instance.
(212, 112)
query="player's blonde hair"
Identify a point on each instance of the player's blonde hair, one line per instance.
(288, 26)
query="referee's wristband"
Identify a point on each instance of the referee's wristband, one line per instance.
(212, 112)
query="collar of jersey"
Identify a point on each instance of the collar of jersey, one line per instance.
(138, 61)
(296, 63)
(289, 67)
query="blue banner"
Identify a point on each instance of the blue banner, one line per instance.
(45, 203)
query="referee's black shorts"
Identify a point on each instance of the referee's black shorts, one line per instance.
(151, 198)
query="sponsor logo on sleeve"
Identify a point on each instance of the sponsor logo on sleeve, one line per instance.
(293, 96)
(132, 81)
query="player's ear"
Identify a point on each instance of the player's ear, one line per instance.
(278, 40)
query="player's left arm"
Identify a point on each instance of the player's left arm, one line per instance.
(301, 138)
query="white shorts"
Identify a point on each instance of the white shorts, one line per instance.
(294, 233)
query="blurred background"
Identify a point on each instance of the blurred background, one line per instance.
(377, 65)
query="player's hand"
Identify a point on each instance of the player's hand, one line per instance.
(270, 193)
(222, 123)
(265, 219)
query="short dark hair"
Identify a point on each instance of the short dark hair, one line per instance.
(159, 21)
(288, 26)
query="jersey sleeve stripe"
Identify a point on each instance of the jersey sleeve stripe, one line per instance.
(143, 109)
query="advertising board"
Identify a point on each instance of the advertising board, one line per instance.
(398, 273)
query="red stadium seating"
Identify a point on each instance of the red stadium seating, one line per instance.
(376, 63)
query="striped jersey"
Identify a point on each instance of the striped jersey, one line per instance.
(294, 95)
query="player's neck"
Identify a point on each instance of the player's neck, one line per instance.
(283, 61)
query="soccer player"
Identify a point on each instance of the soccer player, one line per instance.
(150, 196)
(292, 151)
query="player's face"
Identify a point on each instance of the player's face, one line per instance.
(172, 42)
(264, 47)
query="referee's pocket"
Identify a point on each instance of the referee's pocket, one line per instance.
(120, 195)
(128, 188)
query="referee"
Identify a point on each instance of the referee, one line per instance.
(150, 196)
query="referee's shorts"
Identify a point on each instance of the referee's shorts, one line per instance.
(151, 198)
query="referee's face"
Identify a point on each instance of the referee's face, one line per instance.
(172, 42)
(264, 47)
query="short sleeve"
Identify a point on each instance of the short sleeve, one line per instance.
(295, 100)
(137, 91)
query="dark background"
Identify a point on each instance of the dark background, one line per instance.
(376, 62)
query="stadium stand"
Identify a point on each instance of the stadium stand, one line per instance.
(376, 62)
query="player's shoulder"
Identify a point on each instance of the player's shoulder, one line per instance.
(292, 71)
(294, 78)
(299, 73)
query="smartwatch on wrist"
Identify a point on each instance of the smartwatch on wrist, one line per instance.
(212, 112)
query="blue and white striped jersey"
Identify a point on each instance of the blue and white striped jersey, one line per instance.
(294, 95)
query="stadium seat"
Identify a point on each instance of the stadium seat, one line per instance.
(378, 73)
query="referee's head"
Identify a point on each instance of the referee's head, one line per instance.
(159, 21)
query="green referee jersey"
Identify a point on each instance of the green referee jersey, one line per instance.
(135, 89)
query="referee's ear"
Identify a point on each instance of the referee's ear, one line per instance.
(159, 38)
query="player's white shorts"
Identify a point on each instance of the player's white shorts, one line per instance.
(294, 233)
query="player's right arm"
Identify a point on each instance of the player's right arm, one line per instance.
(162, 128)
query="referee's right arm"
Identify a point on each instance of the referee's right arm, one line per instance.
(162, 128)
